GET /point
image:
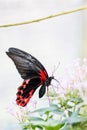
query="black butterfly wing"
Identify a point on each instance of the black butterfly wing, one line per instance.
(27, 65)
(26, 90)
(42, 90)
(33, 73)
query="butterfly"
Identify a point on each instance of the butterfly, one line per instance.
(33, 73)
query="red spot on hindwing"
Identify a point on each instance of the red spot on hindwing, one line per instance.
(23, 96)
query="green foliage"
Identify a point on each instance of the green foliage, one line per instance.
(69, 114)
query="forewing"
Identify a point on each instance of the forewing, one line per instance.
(26, 90)
(27, 65)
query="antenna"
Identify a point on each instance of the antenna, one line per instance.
(55, 68)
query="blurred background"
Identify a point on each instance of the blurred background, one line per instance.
(61, 39)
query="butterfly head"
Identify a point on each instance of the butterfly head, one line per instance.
(49, 79)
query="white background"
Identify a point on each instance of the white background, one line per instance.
(52, 41)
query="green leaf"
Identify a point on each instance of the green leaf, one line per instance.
(34, 118)
(76, 100)
(52, 108)
(65, 127)
(74, 118)
(52, 124)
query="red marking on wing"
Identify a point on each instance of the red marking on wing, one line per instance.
(22, 97)
(43, 75)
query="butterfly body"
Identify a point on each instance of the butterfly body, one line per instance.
(33, 73)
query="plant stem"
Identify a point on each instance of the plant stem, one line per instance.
(45, 18)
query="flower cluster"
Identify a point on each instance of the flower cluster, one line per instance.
(73, 78)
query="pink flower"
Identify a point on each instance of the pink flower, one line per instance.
(74, 78)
